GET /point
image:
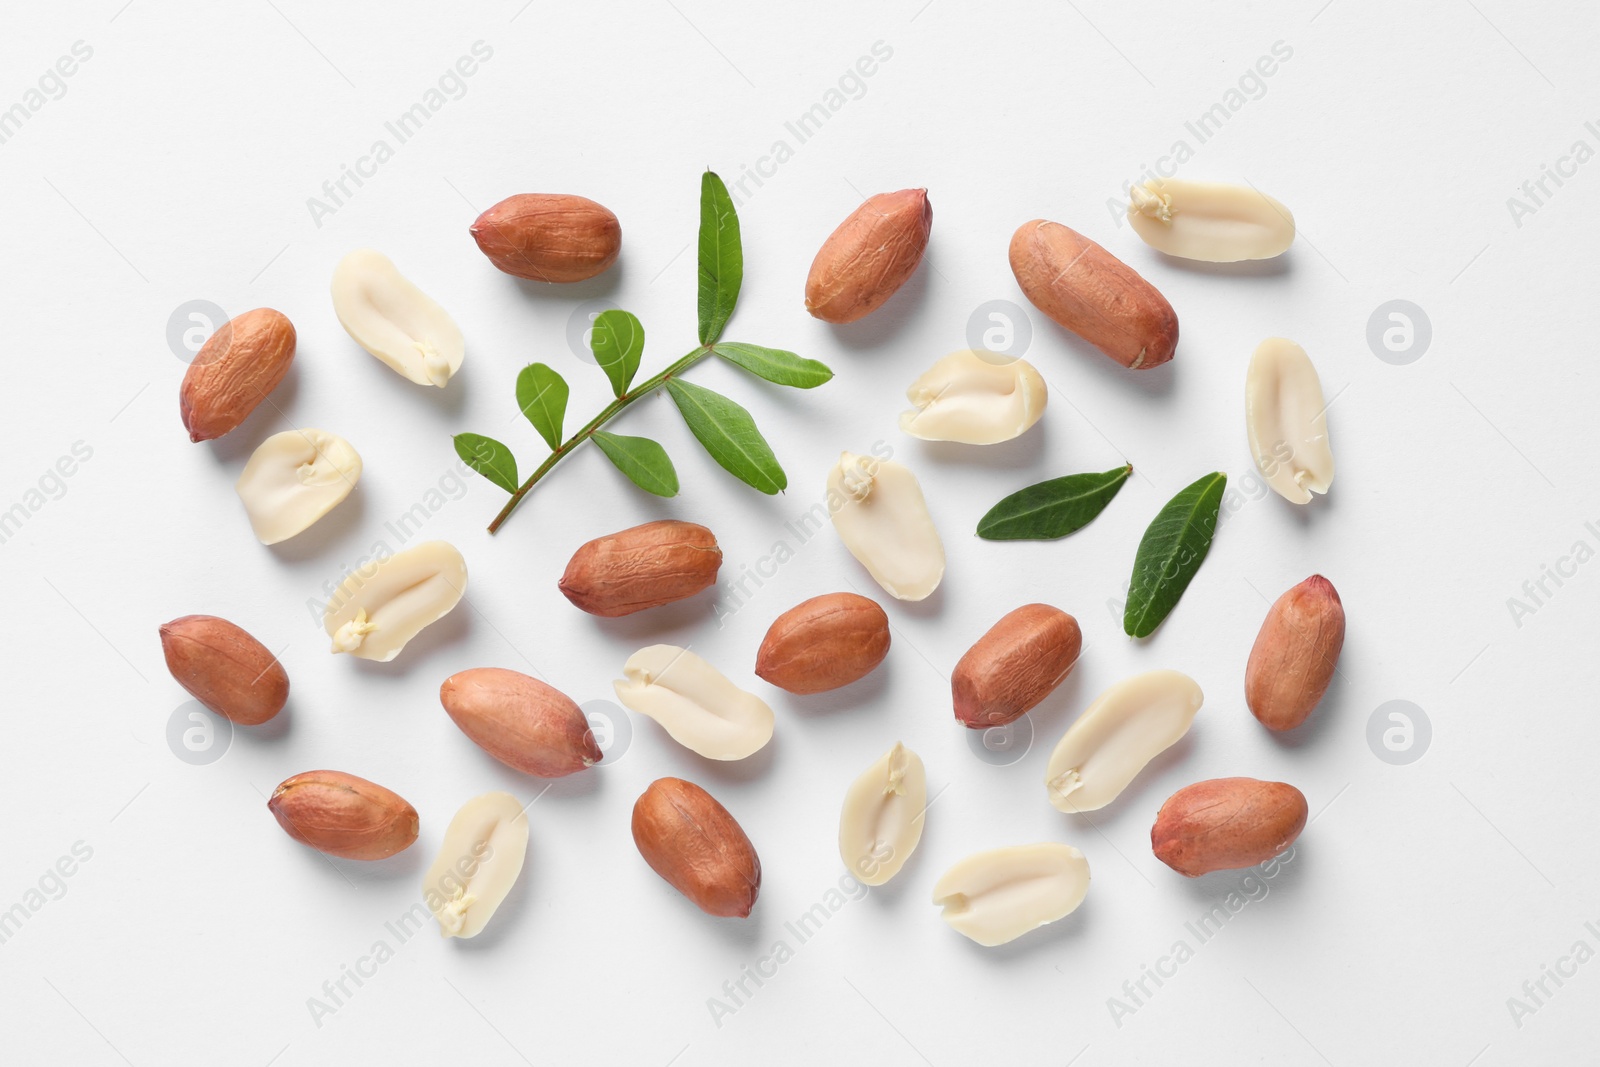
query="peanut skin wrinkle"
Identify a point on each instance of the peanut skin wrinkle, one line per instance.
(234, 371)
(520, 721)
(824, 643)
(642, 567)
(344, 815)
(870, 256)
(1227, 823)
(1092, 293)
(1295, 654)
(693, 843)
(225, 668)
(549, 237)
(1014, 666)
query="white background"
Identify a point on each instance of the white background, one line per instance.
(177, 166)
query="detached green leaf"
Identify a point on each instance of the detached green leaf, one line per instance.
(644, 462)
(1172, 550)
(1053, 508)
(542, 396)
(618, 341)
(729, 433)
(721, 257)
(775, 365)
(489, 458)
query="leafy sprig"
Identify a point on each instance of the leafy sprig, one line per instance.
(723, 427)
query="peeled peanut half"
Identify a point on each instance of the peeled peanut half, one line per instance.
(394, 320)
(478, 863)
(881, 516)
(1209, 221)
(1125, 728)
(975, 398)
(997, 896)
(383, 604)
(882, 818)
(294, 479)
(694, 702)
(1287, 421)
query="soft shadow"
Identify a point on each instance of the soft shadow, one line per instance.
(890, 893)
(750, 933)
(859, 694)
(738, 772)
(927, 607)
(1055, 708)
(315, 540)
(510, 915)
(581, 785)
(880, 326)
(600, 287)
(408, 863)
(1019, 452)
(1322, 719)
(1276, 267)
(644, 627)
(275, 728)
(1308, 513)
(1154, 381)
(1212, 889)
(393, 391)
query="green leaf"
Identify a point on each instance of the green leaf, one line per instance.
(618, 341)
(775, 365)
(1053, 508)
(721, 257)
(644, 462)
(729, 433)
(542, 396)
(1172, 550)
(489, 458)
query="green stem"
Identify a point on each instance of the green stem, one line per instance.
(609, 412)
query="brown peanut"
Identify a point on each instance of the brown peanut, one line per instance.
(548, 237)
(642, 567)
(824, 643)
(691, 841)
(225, 668)
(1226, 823)
(1015, 665)
(1094, 294)
(234, 371)
(520, 721)
(870, 256)
(1295, 654)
